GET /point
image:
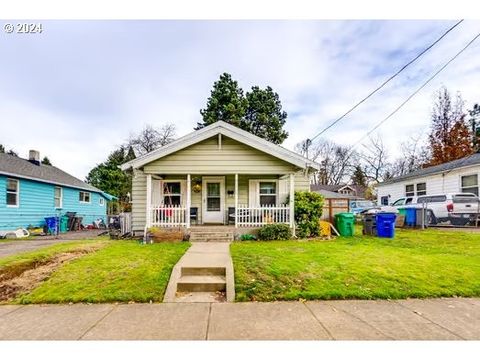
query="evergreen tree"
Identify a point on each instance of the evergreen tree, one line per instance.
(258, 112)
(46, 161)
(265, 117)
(359, 177)
(226, 103)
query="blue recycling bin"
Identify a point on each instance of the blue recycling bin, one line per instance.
(52, 224)
(410, 216)
(386, 225)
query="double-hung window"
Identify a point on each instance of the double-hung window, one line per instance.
(421, 189)
(410, 190)
(58, 197)
(84, 197)
(13, 192)
(268, 193)
(470, 184)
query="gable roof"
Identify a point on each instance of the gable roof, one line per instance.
(470, 160)
(360, 190)
(15, 166)
(233, 132)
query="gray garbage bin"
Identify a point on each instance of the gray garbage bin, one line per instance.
(370, 224)
(424, 213)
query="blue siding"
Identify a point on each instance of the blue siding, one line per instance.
(37, 202)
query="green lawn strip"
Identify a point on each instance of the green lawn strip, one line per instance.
(123, 271)
(16, 264)
(419, 264)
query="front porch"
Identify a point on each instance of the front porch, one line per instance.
(239, 200)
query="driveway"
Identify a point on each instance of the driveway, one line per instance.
(19, 246)
(432, 319)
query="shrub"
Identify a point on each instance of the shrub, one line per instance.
(308, 210)
(159, 234)
(247, 237)
(275, 232)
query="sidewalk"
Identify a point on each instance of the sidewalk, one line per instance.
(432, 319)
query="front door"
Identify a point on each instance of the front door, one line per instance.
(213, 194)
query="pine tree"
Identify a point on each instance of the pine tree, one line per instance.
(46, 161)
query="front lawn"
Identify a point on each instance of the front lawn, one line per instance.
(429, 263)
(122, 271)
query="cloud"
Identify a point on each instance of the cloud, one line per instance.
(80, 88)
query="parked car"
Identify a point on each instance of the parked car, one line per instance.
(407, 200)
(357, 206)
(458, 208)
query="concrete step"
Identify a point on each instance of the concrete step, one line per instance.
(204, 283)
(200, 297)
(211, 236)
(199, 271)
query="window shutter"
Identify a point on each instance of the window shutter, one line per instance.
(253, 193)
(283, 190)
(156, 192)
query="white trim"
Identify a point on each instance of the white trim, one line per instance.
(101, 201)
(230, 131)
(236, 200)
(17, 205)
(148, 202)
(460, 176)
(189, 200)
(61, 197)
(292, 202)
(181, 194)
(206, 179)
(254, 189)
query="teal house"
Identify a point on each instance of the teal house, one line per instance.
(31, 191)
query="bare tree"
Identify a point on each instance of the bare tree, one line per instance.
(151, 138)
(376, 159)
(337, 161)
(414, 156)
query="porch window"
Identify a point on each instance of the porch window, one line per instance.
(268, 193)
(12, 192)
(172, 194)
(470, 184)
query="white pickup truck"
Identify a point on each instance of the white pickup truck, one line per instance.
(456, 208)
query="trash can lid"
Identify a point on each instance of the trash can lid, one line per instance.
(345, 215)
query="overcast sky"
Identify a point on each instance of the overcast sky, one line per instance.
(80, 88)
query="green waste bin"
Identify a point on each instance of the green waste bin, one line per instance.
(402, 211)
(63, 224)
(345, 223)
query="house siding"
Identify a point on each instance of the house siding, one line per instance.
(436, 184)
(232, 157)
(36, 201)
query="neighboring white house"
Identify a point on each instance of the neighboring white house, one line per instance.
(460, 175)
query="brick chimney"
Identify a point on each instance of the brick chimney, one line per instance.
(34, 157)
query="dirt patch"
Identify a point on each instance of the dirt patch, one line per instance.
(27, 276)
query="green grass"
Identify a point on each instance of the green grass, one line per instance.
(122, 271)
(418, 264)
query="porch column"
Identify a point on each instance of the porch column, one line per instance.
(292, 202)
(189, 200)
(148, 219)
(236, 199)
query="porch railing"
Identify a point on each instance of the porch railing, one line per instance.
(172, 215)
(263, 215)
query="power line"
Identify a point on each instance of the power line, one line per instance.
(416, 91)
(309, 141)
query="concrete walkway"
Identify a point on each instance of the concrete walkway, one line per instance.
(433, 319)
(202, 256)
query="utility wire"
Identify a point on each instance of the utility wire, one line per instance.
(309, 141)
(416, 91)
